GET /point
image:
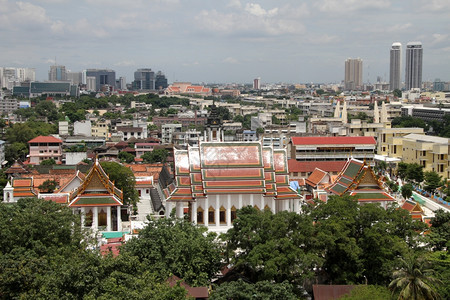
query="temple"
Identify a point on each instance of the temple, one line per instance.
(98, 201)
(357, 179)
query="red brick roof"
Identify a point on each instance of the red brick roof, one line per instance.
(333, 140)
(309, 166)
(45, 139)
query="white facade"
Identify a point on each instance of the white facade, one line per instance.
(82, 128)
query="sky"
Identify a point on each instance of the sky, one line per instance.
(224, 41)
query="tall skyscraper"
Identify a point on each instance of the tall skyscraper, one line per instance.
(395, 66)
(413, 75)
(103, 77)
(353, 74)
(144, 79)
(160, 81)
(257, 83)
(57, 73)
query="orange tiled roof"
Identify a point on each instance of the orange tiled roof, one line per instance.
(316, 176)
(45, 139)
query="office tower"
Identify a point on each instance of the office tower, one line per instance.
(395, 66)
(57, 73)
(257, 83)
(26, 74)
(353, 73)
(144, 79)
(103, 78)
(91, 84)
(75, 77)
(413, 75)
(160, 81)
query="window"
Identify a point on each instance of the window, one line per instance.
(147, 191)
(200, 216)
(222, 215)
(139, 192)
(211, 218)
(233, 213)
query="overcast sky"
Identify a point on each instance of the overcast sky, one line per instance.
(224, 40)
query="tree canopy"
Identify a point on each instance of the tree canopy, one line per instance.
(124, 179)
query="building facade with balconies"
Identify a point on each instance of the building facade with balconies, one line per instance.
(43, 148)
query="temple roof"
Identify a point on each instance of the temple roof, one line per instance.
(316, 177)
(96, 190)
(230, 168)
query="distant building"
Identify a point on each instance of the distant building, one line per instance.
(353, 73)
(8, 106)
(160, 81)
(395, 66)
(144, 79)
(187, 88)
(43, 148)
(122, 83)
(413, 75)
(37, 89)
(103, 77)
(257, 83)
(91, 83)
(75, 78)
(57, 73)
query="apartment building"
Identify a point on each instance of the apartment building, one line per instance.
(390, 140)
(45, 147)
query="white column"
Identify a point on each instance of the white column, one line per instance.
(95, 218)
(251, 200)
(205, 211)
(194, 212)
(262, 202)
(119, 219)
(168, 208)
(180, 210)
(286, 205)
(83, 216)
(108, 218)
(240, 201)
(228, 215)
(217, 211)
(296, 206)
(274, 207)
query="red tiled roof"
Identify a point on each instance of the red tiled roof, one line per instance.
(333, 140)
(45, 139)
(316, 176)
(309, 166)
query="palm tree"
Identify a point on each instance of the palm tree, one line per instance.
(414, 280)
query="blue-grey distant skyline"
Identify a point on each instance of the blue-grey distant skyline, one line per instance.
(224, 41)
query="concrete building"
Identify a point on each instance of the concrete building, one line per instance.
(353, 74)
(390, 140)
(75, 78)
(103, 78)
(395, 66)
(257, 83)
(160, 81)
(43, 148)
(8, 106)
(168, 131)
(100, 129)
(431, 152)
(91, 83)
(413, 72)
(144, 79)
(57, 73)
(425, 113)
(332, 148)
(82, 128)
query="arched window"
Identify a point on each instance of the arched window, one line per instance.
(102, 218)
(222, 215)
(233, 213)
(211, 213)
(200, 215)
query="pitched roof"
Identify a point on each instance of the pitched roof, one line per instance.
(45, 139)
(310, 166)
(316, 177)
(333, 140)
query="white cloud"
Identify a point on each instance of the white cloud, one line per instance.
(230, 60)
(439, 38)
(257, 10)
(342, 6)
(125, 63)
(234, 4)
(442, 6)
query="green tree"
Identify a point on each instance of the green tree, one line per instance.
(364, 292)
(16, 150)
(414, 280)
(397, 93)
(439, 236)
(415, 172)
(440, 262)
(274, 247)
(402, 169)
(47, 109)
(407, 190)
(20, 133)
(126, 157)
(48, 162)
(177, 247)
(432, 181)
(248, 291)
(155, 156)
(123, 179)
(48, 186)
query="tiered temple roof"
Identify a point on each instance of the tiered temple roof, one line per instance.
(96, 190)
(357, 179)
(414, 209)
(230, 168)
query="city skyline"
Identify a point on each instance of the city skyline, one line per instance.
(227, 41)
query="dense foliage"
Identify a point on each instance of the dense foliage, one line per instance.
(123, 179)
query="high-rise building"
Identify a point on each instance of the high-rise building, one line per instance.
(144, 79)
(57, 73)
(103, 78)
(122, 83)
(75, 78)
(353, 73)
(395, 66)
(257, 83)
(160, 81)
(413, 75)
